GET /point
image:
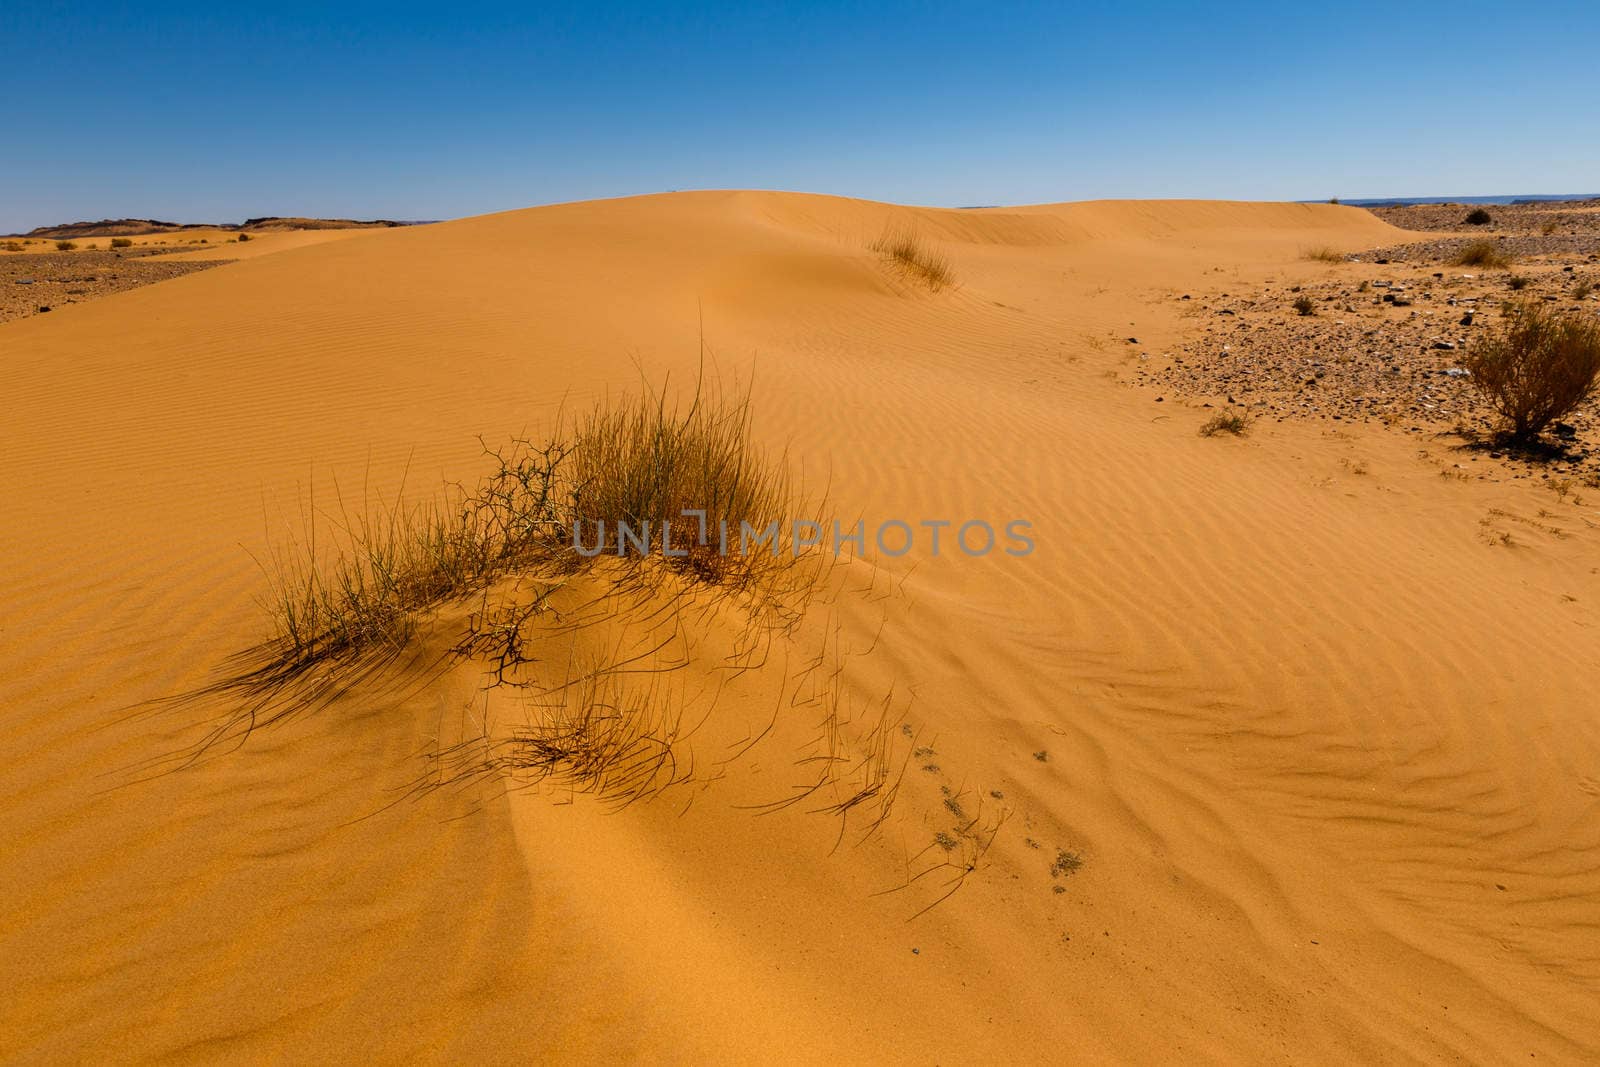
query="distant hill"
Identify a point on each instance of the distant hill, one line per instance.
(140, 227)
(1411, 201)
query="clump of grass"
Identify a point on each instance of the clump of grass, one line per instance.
(13, 246)
(1304, 306)
(1540, 366)
(645, 462)
(1324, 254)
(243, 237)
(1480, 254)
(1549, 228)
(1478, 217)
(1226, 421)
(121, 242)
(904, 247)
(618, 483)
(1582, 290)
(1518, 282)
(65, 246)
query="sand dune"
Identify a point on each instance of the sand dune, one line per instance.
(1328, 759)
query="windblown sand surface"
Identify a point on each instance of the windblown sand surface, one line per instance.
(1329, 758)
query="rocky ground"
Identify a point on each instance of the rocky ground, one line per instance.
(44, 281)
(1552, 216)
(1553, 228)
(1384, 338)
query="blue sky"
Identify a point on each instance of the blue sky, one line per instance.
(187, 112)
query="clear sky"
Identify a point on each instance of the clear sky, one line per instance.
(191, 112)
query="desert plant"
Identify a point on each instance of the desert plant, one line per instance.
(1333, 199)
(1478, 217)
(1549, 228)
(1518, 282)
(613, 482)
(121, 242)
(243, 237)
(1304, 306)
(1540, 366)
(904, 247)
(1324, 253)
(1480, 254)
(65, 246)
(1226, 421)
(1582, 290)
(13, 246)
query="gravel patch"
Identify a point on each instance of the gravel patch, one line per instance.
(39, 282)
(1383, 349)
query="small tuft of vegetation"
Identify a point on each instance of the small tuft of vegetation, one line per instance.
(1480, 254)
(1582, 290)
(1518, 282)
(1478, 217)
(904, 247)
(243, 237)
(1540, 366)
(1065, 863)
(65, 246)
(1226, 421)
(1304, 306)
(121, 242)
(13, 246)
(1549, 228)
(1324, 254)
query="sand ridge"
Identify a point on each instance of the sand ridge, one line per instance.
(1325, 755)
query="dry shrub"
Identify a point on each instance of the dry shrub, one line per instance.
(1582, 290)
(1480, 254)
(65, 246)
(1478, 217)
(1226, 421)
(1518, 282)
(1540, 366)
(121, 242)
(13, 246)
(904, 247)
(386, 569)
(1304, 306)
(1324, 254)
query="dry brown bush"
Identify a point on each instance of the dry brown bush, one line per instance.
(1539, 367)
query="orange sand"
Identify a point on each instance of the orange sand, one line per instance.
(1329, 758)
